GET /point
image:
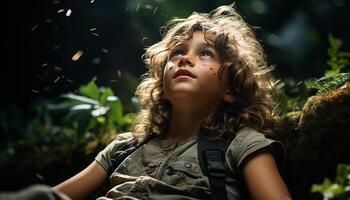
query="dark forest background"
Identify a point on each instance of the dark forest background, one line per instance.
(39, 40)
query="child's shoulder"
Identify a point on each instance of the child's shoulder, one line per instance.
(249, 141)
(248, 135)
(120, 140)
(105, 157)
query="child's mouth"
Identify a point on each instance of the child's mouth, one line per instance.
(183, 73)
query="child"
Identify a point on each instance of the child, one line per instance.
(208, 75)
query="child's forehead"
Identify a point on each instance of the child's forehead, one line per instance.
(203, 39)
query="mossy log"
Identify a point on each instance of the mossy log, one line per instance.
(317, 138)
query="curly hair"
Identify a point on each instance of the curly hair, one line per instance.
(241, 54)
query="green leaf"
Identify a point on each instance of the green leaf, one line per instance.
(80, 98)
(81, 107)
(341, 174)
(99, 111)
(116, 112)
(316, 188)
(90, 90)
(107, 92)
(336, 190)
(130, 118)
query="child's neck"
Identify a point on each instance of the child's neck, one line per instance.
(184, 124)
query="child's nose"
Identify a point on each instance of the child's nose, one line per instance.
(186, 60)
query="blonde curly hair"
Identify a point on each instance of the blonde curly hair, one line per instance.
(242, 56)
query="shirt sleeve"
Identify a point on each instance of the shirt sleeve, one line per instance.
(248, 141)
(104, 157)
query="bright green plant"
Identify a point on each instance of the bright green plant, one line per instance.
(338, 61)
(84, 122)
(95, 109)
(338, 190)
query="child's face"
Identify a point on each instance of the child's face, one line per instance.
(191, 73)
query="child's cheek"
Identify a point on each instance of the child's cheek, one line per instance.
(210, 71)
(168, 68)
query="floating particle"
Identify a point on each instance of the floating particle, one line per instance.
(56, 2)
(68, 80)
(113, 80)
(95, 34)
(68, 13)
(57, 68)
(92, 1)
(57, 79)
(155, 10)
(138, 7)
(147, 6)
(104, 50)
(35, 91)
(119, 73)
(92, 29)
(77, 55)
(34, 27)
(96, 60)
(44, 65)
(299, 83)
(39, 176)
(48, 20)
(60, 10)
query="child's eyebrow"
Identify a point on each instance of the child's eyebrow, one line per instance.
(206, 45)
(201, 45)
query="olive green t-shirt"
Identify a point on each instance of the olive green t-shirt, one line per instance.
(169, 170)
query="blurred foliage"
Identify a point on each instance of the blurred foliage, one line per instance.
(291, 96)
(338, 61)
(72, 126)
(337, 190)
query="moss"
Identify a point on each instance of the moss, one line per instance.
(319, 140)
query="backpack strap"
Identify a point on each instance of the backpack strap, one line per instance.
(211, 155)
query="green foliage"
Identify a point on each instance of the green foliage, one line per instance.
(328, 82)
(291, 96)
(95, 109)
(338, 190)
(74, 125)
(338, 61)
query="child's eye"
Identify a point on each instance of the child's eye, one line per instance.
(176, 53)
(207, 55)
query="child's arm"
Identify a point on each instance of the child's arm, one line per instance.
(85, 183)
(262, 177)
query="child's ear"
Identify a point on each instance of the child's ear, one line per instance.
(228, 97)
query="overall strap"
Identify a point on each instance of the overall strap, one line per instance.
(211, 155)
